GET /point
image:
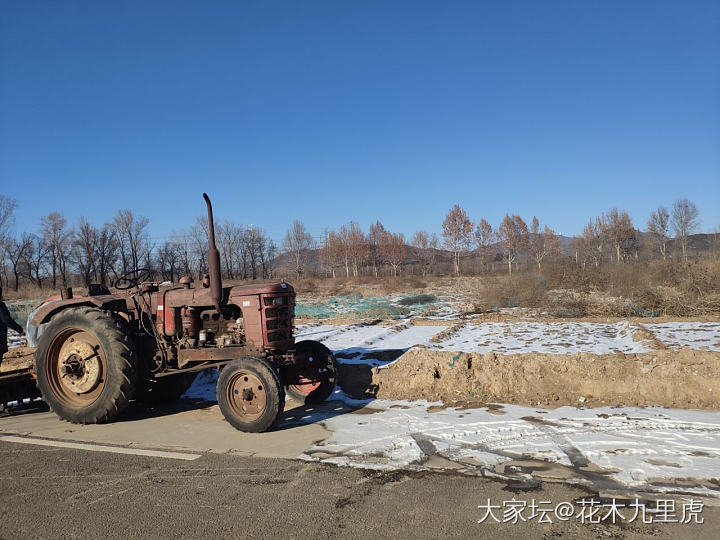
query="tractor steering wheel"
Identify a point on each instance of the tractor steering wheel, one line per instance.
(132, 278)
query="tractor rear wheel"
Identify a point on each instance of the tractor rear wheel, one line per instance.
(165, 389)
(250, 394)
(313, 374)
(86, 365)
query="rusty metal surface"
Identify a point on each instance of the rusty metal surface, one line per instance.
(278, 320)
(246, 395)
(262, 288)
(75, 367)
(213, 259)
(110, 302)
(209, 354)
(216, 364)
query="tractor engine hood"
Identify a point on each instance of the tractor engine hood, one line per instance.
(269, 288)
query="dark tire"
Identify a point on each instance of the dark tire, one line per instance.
(250, 394)
(313, 375)
(86, 365)
(165, 389)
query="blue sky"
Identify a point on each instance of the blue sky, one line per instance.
(332, 111)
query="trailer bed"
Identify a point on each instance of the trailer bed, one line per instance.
(17, 359)
(16, 375)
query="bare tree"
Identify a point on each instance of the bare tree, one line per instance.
(359, 247)
(375, 238)
(7, 213)
(198, 245)
(331, 253)
(53, 229)
(296, 243)
(323, 255)
(16, 249)
(484, 237)
(254, 246)
(35, 259)
(133, 240)
(183, 246)
(258, 252)
(425, 250)
(543, 243)
(457, 230)
(513, 235)
(229, 236)
(355, 247)
(7, 216)
(393, 249)
(168, 260)
(106, 250)
(244, 254)
(594, 240)
(268, 255)
(658, 226)
(581, 249)
(619, 231)
(684, 222)
(84, 242)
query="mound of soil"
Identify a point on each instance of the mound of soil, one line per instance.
(680, 379)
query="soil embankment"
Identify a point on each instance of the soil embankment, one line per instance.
(686, 378)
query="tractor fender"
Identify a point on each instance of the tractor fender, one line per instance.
(49, 308)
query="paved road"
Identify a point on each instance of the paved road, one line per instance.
(49, 492)
(232, 484)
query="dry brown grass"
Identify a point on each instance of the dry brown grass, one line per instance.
(664, 288)
(28, 291)
(626, 290)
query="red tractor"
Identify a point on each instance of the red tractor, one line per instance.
(98, 352)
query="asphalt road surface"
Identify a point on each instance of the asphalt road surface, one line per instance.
(183, 472)
(56, 492)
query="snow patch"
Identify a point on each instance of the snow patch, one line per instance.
(636, 447)
(696, 335)
(553, 337)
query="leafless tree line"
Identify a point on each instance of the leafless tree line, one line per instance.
(613, 237)
(512, 241)
(608, 238)
(351, 252)
(59, 254)
(62, 255)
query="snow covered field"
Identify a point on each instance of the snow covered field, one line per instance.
(555, 338)
(516, 337)
(696, 335)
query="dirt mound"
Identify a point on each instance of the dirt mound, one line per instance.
(681, 379)
(640, 333)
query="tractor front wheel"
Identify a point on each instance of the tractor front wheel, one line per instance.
(86, 365)
(250, 395)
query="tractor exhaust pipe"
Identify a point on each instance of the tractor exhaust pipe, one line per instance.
(213, 259)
